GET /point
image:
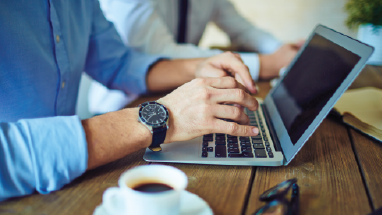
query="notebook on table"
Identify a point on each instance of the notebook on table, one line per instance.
(322, 70)
(364, 114)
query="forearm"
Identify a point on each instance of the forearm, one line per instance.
(168, 75)
(114, 135)
(270, 64)
(267, 66)
(243, 33)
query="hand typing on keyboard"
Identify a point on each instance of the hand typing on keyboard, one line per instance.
(239, 146)
(197, 108)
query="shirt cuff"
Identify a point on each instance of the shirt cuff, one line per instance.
(58, 150)
(253, 63)
(134, 81)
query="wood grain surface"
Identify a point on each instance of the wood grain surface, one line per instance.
(369, 154)
(367, 150)
(224, 188)
(370, 76)
(327, 173)
(320, 171)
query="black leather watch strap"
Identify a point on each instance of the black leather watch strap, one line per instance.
(159, 135)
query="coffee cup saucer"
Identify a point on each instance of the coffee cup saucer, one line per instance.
(190, 204)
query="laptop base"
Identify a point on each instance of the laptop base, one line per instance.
(190, 152)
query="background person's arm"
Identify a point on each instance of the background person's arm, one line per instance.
(117, 67)
(142, 28)
(272, 55)
(171, 74)
(241, 32)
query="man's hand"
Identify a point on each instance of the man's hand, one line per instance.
(271, 64)
(166, 75)
(226, 64)
(197, 107)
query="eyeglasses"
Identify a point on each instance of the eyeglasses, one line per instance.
(277, 204)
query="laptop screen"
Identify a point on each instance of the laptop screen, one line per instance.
(310, 83)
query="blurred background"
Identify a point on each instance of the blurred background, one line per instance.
(288, 20)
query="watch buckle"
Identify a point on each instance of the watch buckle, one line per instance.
(155, 149)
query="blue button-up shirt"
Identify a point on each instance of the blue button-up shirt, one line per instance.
(44, 47)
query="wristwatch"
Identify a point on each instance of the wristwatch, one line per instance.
(155, 117)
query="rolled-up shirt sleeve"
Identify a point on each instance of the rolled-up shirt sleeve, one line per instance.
(113, 64)
(40, 154)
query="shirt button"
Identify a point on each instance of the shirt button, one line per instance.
(57, 38)
(63, 84)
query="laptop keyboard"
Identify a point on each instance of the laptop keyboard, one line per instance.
(225, 145)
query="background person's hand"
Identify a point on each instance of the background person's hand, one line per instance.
(271, 64)
(197, 107)
(226, 64)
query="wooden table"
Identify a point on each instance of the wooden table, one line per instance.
(339, 171)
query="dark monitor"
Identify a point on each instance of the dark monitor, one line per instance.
(311, 82)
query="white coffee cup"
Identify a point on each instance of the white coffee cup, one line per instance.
(125, 200)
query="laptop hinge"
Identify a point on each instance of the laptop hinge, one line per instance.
(272, 131)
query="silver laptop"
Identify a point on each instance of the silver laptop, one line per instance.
(320, 73)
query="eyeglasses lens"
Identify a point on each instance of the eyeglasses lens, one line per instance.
(280, 188)
(273, 208)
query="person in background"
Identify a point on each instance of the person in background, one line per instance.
(175, 27)
(45, 46)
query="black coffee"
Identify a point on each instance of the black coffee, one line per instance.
(152, 187)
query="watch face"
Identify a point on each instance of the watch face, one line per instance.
(154, 114)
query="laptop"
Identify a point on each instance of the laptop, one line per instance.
(322, 70)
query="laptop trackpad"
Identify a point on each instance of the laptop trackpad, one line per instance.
(187, 150)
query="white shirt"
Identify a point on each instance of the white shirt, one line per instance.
(150, 26)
